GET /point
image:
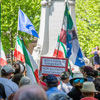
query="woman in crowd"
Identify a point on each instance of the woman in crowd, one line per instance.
(96, 53)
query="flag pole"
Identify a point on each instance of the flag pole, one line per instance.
(60, 32)
(59, 40)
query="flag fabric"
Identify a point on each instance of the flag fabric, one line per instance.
(60, 50)
(31, 66)
(25, 25)
(68, 36)
(3, 60)
(18, 52)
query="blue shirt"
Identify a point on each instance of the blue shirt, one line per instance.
(9, 85)
(53, 90)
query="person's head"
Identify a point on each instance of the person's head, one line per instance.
(24, 81)
(77, 80)
(97, 48)
(17, 78)
(88, 71)
(64, 77)
(30, 92)
(19, 67)
(51, 81)
(7, 71)
(96, 75)
(98, 69)
(97, 84)
(88, 89)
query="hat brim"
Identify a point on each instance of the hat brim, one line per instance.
(71, 81)
(88, 91)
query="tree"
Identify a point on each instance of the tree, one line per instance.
(9, 20)
(88, 24)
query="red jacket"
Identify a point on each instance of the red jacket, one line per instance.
(89, 98)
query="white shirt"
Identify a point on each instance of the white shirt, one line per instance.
(64, 87)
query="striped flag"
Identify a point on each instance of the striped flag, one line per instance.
(31, 66)
(3, 60)
(69, 37)
(18, 53)
(60, 50)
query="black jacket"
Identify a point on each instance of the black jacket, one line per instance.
(75, 94)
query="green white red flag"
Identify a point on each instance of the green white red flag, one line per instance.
(31, 66)
(68, 36)
(60, 50)
(3, 60)
(18, 53)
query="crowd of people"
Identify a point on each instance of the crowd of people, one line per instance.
(81, 85)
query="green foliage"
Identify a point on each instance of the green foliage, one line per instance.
(88, 24)
(9, 20)
(87, 20)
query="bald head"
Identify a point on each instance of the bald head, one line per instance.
(30, 92)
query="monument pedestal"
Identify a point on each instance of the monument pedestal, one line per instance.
(52, 13)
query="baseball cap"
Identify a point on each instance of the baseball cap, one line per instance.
(25, 81)
(7, 69)
(51, 79)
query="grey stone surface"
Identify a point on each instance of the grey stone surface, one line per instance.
(52, 13)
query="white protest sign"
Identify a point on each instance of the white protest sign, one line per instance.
(52, 65)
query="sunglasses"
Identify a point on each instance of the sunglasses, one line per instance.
(78, 80)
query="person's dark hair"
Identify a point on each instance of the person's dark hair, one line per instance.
(98, 69)
(64, 75)
(17, 78)
(2, 91)
(97, 84)
(87, 94)
(95, 73)
(52, 85)
(7, 70)
(3, 73)
(89, 70)
(18, 64)
(11, 96)
(51, 81)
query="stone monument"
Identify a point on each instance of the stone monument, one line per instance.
(52, 13)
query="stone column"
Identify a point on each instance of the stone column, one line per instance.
(52, 13)
(43, 32)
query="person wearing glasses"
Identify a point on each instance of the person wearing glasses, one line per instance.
(77, 82)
